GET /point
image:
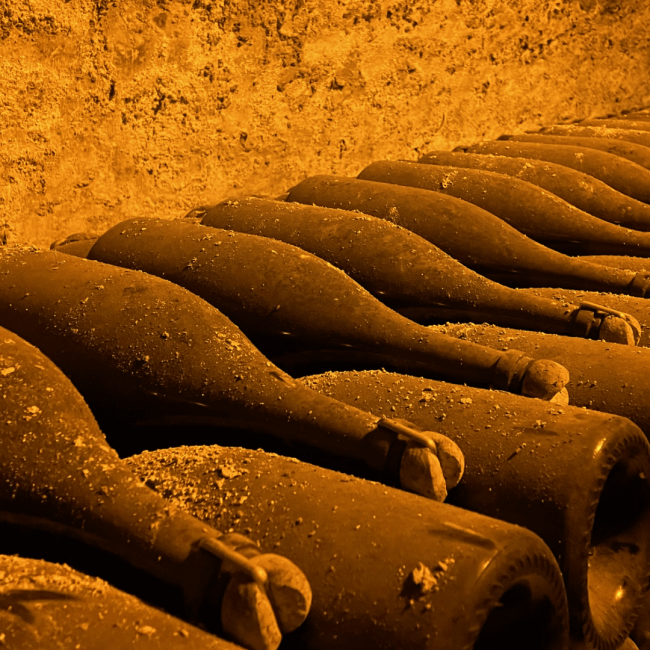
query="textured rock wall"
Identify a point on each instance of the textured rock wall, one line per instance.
(110, 110)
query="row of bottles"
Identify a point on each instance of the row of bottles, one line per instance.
(60, 478)
(143, 346)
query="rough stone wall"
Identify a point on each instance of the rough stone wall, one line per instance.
(111, 110)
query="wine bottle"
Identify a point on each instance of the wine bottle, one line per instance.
(123, 337)
(637, 308)
(474, 237)
(604, 376)
(255, 281)
(632, 121)
(386, 567)
(621, 147)
(58, 474)
(635, 136)
(541, 216)
(618, 173)
(78, 244)
(407, 273)
(527, 464)
(620, 261)
(584, 192)
(42, 601)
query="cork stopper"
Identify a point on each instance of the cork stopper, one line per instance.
(420, 472)
(546, 380)
(616, 330)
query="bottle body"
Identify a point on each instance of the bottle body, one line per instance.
(636, 307)
(387, 567)
(576, 478)
(604, 376)
(635, 136)
(632, 121)
(71, 609)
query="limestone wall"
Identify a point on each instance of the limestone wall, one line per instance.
(110, 110)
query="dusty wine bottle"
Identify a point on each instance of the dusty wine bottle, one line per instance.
(581, 190)
(255, 281)
(636, 136)
(78, 244)
(522, 467)
(632, 121)
(58, 474)
(604, 376)
(622, 147)
(387, 567)
(620, 261)
(123, 336)
(474, 237)
(407, 273)
(541, 216)
(637, 307)
(621, 174)
(45, 601)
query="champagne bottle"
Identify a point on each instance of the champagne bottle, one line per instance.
(58, 474)
(604, 376)
(621, 147)
(78, 244)
(124, 337)
(45, 601)
(618, 173)
(541, 216)
(388, 569)
(255, 281)
(580, 190)
(620, 261)
(407, 273)
(632, 121)
(637, 308)
(635, 136)
(527, 464)
(474, 237)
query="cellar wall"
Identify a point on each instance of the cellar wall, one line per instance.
(111, 110)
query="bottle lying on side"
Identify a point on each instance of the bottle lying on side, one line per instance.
(620, 174)
(46, 601)
(620, 261)
(633, 121)
(580, 190)
(636, 308)
(122, 336)
(474, 237)
(604, 376)
(527, 464)
(635, 136)
(407, 273)
(296, 307)
(78, 244)
(386, 567)
(58, 474)
(541, 216)
(622, 147)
